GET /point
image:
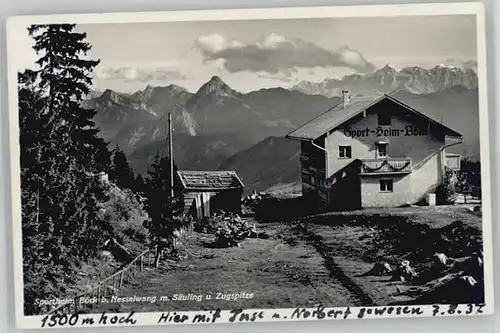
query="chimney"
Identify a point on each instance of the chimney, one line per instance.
(346, 98)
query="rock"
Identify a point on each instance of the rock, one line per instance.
(379, 269)
(441, 258)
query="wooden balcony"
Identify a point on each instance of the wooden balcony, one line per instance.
(388, 166)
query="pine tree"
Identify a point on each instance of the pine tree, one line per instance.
(160, 204)
(163, 208)
(139, 184)
(121, 172)
(60, 157)
(64, 75)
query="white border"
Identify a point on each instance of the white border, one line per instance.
(19, 23)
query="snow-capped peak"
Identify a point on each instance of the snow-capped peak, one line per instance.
(447, 66)
(393, 67)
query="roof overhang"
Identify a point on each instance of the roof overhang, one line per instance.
(298, 138)
(449, 132)
(212, 189)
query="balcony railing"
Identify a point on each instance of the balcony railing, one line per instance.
(386, 166)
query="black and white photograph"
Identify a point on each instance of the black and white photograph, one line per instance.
(223, 166)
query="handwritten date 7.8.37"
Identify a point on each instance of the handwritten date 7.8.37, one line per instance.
(453, 309)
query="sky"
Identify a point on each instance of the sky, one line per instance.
(254, 54)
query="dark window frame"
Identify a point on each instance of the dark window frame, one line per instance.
(345, 151)
(386, 150)
(386, 185)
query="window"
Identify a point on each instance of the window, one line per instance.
(453, 162)
(345, 152)
(381, 150)
(384, 119)
(386, 185)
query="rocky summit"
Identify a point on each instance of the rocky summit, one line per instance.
(390, 78)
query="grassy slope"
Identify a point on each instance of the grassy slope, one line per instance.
(126, 216)
(274, 160)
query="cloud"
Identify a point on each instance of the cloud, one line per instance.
(275, 53)
(138, 74)
(283, 76)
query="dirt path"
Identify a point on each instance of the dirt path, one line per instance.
(285, 271)
(336, 272)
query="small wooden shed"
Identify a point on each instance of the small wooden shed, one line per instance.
(208, 192)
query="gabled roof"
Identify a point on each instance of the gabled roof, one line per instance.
(210, 180)
(338, 115)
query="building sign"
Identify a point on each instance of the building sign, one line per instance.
(385, 131)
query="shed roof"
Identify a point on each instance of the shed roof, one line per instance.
(210, 180)
(338, 114)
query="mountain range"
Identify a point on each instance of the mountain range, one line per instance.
(414, 79)
(218, 127)
(215, 111)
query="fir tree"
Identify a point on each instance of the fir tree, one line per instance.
(121, 172)
(160, 204)
(64, 75)
(60, 157)
(139, 184)
(163, 208)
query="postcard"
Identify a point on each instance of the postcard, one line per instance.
(250, 165)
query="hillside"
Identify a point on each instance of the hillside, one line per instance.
(125, 215)
(275, 160)
(203, 152)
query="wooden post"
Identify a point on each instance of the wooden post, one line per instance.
(171, 155)
(157, 257)
(140, 263)
(121, 279)
(99, 292)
